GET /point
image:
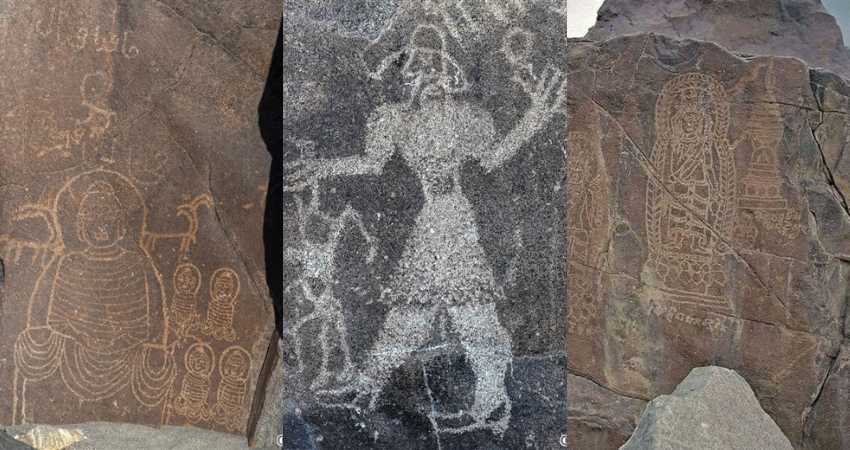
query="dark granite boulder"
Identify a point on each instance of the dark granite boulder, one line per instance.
(424, 216)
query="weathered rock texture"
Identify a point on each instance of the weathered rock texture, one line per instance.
(132, 180)
(712, 409)
(598, 418)
(109, 435)
(707, 222)
(7, 442)
(797, 28)
(424, 214)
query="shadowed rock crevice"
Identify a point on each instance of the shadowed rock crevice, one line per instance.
(271, 128)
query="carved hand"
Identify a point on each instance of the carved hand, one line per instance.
(305, 173)
(547, 96)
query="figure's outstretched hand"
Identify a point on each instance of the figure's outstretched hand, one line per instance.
(547, 95)
(303, 173)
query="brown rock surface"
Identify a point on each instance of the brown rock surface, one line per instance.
(797, 28)
(706, 224)
(132, 180)
(598, 418)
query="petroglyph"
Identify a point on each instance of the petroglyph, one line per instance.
(50, 136)
(103, 330)
(671, 314)
(693, 196)
(443, 272)
(192, 400)
(233, 368)
(224, 290)
(318, 262)
(60, 29)
(188, 211)
(187, 283)
(461, 17)
(585, 215)
(762, 201)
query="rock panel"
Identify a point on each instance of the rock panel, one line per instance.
(793, 28)
(724, 236)
(424, 212)
(131, 192)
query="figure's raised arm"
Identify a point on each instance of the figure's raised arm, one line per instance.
(547, 96)
(380, 144)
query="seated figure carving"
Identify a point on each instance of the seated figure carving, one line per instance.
(105, 331)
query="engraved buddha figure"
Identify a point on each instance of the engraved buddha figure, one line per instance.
(691, 197)
(192, 401)
(224, 287)
(233, 369)
(690, 177)
(104, 329)
(187, 282)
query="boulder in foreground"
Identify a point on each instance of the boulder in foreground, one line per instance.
(713, 408)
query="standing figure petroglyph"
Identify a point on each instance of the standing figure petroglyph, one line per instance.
(187, 283)
(233, 368)
(318, 262)
(104, 329)
(224, 288)
(443, 271)
(584, 217)
(192, 400)
(691, 199)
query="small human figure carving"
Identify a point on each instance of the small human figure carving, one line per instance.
(584, 216)
(224, 288)
(233, 368)
(192, 400)
(318, 262)
(187, 282)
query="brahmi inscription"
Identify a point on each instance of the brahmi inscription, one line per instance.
(401, 279)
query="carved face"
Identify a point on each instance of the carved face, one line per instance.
(234, 366)
(223, 288)
(99, 222)
(186, 282)
(690, 124)
(198, 361)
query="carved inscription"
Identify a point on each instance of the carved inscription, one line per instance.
(691, 194)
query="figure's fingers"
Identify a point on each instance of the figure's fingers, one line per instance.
(553, 82)
(543, 82)
(560, 93)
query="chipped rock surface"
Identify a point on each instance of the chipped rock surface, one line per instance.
(111, 435)
(133, 174)
(713, 409)
(795, 28)
(708, 225)
(424, 206)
